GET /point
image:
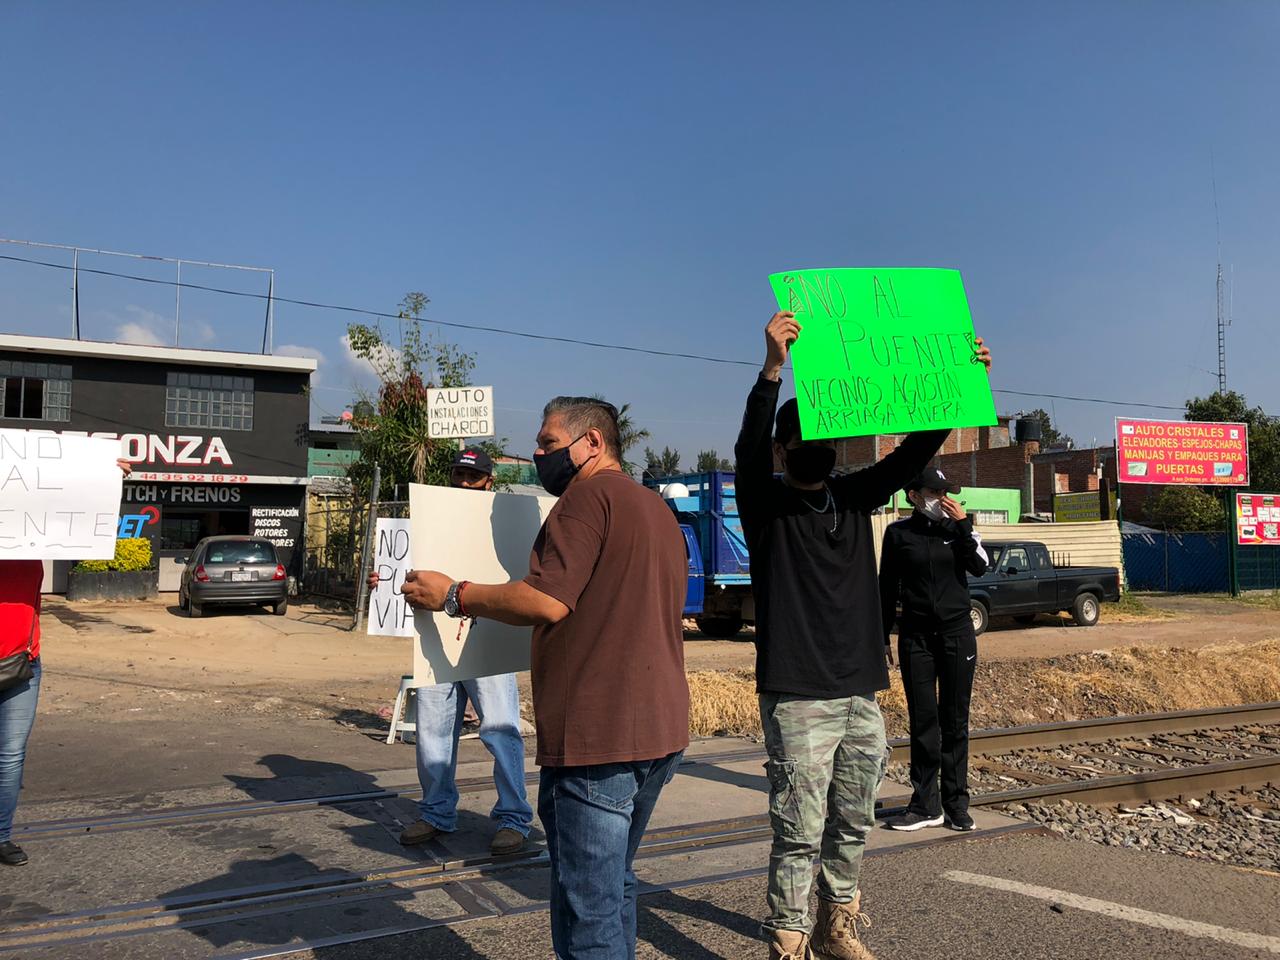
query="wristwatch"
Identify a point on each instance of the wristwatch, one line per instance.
(451, 605)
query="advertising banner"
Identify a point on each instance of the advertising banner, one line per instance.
(1182, 451)
(1258, 519)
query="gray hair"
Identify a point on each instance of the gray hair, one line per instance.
(580, 414)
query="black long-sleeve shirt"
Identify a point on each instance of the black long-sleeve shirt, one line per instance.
(818, 629)
(924, 563)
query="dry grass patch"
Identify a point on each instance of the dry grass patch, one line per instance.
(1150, 679)
(723, 703)
(1132, 608)
(1013, 692)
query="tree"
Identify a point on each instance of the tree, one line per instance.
(629, 435)
(662, 465)
(709, 460)
(392, 423)
(1264, 434)
(1185, 508)
(1050, 436)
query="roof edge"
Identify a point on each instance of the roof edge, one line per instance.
(149, 353)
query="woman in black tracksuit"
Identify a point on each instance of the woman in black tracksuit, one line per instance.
(924, 565)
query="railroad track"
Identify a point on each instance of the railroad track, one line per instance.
(981, 743)
(449, 891)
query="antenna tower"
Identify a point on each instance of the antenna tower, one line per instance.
(1224, 319)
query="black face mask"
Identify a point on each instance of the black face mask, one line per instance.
(810, 464)
(556, 470)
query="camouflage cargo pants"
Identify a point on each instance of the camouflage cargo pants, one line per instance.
(826, 761)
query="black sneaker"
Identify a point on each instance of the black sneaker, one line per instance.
(12, 855)
(913, 821)
(959, 821)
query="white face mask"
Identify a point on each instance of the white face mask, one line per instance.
(932, 508)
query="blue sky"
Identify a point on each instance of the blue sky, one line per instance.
(632, 173)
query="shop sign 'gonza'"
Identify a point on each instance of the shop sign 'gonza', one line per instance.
(218, 440)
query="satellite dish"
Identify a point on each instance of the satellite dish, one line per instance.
(674, 491)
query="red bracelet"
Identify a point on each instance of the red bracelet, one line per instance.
(462, 585)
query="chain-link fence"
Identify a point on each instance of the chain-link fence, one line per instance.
(1258, 567)
(1196, 563)
(335, 537)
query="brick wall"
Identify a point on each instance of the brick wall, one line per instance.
(858, 452)
(1070, 471)
(1000, 467)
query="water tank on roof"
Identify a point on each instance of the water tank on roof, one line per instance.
(1027, 430)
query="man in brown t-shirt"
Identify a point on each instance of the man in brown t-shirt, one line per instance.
(604, 594)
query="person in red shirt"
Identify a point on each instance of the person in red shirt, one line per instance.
(19, 630)
(20, 582)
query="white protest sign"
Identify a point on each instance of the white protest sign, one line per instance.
(482, 537)
(458, 412)
(59, 496)
(389, 615)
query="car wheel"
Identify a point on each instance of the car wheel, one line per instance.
(720, 627)
(194, 610)
(978, 615)
(1087, 610)
(279, 608)
(182, 600)
(1026, 619)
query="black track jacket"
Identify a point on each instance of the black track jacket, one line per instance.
(924, 563)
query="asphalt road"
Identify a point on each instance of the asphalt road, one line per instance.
(920, 914)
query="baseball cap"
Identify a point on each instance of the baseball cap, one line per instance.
(473, 458)
(931, 478)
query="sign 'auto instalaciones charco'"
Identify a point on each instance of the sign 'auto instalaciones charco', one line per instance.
(458, 412)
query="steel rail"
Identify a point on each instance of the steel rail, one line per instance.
(111, 823)
(986, 742)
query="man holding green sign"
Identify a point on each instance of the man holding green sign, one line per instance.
(819, 638)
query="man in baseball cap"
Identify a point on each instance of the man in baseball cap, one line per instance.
(925, 565)
(440, 711)
(472, 469)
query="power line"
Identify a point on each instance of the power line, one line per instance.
(389, 316)
(1114, 403)
(515, 333)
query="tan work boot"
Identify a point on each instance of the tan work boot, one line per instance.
(789, 945)
(835, 935)
(506, 842)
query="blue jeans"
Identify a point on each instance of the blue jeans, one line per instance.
(438, 716)
(594, 817)
(17, 714)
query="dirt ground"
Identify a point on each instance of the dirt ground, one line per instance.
(139, 686)
(117, 659)
(1187, 621)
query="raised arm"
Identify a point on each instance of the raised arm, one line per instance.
(967, 545)
(875, 485)
(753, 452)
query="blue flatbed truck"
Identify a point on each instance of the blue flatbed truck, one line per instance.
(706, 506)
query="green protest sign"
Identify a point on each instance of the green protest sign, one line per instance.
(883, 350)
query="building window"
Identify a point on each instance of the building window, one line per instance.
(35, 391)
(208, 400)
